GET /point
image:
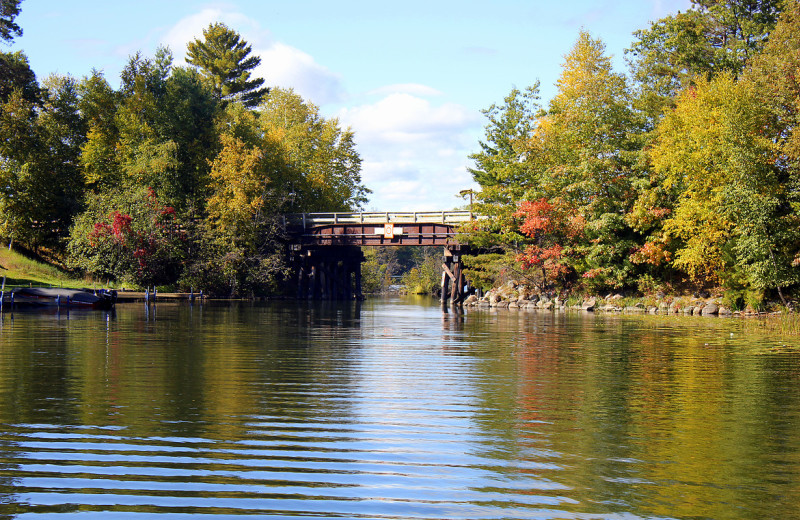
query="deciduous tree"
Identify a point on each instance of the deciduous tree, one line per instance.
(322, 156)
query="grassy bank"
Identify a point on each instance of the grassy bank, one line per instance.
(20, 270)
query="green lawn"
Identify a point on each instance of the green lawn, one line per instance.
(20, 270)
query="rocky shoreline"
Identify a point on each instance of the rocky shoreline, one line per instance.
(511, 296)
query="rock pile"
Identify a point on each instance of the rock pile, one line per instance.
(513, 296)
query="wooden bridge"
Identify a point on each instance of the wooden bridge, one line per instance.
(326, 248)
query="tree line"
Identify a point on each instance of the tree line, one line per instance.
(681, 175)
(175, 178)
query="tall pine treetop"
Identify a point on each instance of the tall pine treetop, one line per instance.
(9, 9)
(223, 58)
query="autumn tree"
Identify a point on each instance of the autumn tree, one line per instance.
(691, 155)
(224, 60)
(734, 198)
(241, 251)
(584, 150)
(549, 228)
(714, 36)
(322, 154)
(128, 236)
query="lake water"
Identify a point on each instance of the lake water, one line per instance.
(394, 409)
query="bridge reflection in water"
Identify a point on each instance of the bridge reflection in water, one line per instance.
(326, 248)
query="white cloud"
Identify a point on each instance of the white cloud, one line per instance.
(406, 119)
(281, 65)
(191, 27)
(414, 152)
(287, 67)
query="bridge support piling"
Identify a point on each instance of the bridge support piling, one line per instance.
(328, 273)
(453, 280)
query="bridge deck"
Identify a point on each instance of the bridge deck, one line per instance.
(309, 220)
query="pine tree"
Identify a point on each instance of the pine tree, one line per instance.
(223, 58)
(9, 9)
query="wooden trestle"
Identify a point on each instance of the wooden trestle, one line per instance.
(326, 248)
(328, 273)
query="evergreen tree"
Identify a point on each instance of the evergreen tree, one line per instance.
(9, 9)
(224, 60)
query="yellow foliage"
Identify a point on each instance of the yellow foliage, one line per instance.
(692, 155)
(241, 181)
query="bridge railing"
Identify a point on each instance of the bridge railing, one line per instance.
(307, 220)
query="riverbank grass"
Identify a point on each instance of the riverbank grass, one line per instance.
(20, 270)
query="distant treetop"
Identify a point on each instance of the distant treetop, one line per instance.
(223, 58)
(9, 9)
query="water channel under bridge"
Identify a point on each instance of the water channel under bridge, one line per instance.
(326, 248)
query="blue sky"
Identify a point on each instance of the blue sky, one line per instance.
(409, 77)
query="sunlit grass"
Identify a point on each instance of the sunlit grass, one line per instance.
(20, 270)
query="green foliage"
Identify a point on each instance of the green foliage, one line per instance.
(224, 60)
(486, 270)
(325, 166)
(500, 161)
(9, 9)
(39, 171)
(375, 273)
(16, 74)
(715, 36)
(426, 275)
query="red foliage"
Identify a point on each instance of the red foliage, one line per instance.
(552, 227)
(594, 273)
(121, 224)
(539, 217)
(148, 243)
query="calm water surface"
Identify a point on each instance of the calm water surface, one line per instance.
(394, 409)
